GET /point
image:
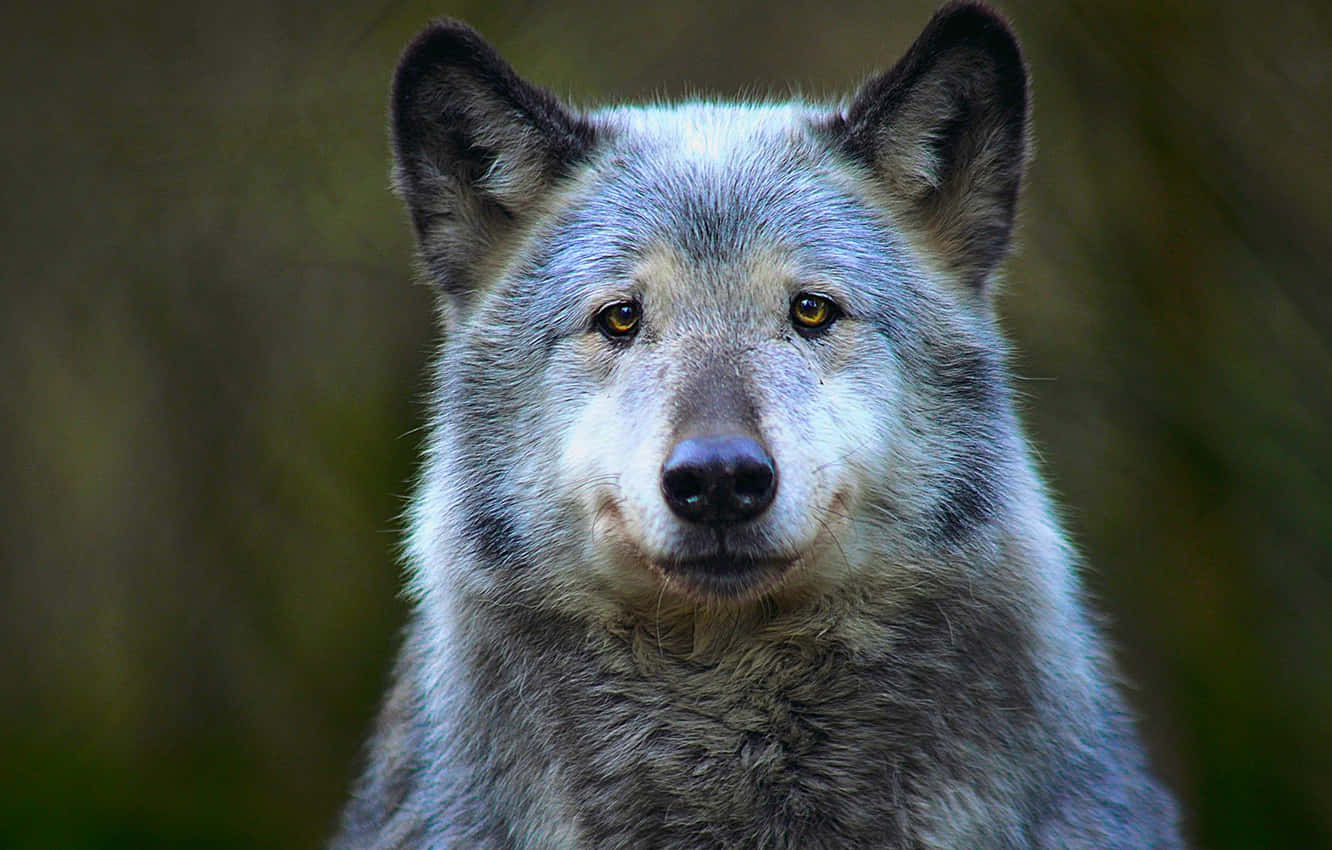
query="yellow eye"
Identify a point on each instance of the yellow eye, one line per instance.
(812, 312)
(619, 319)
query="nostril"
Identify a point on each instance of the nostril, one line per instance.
(753, 480)
(683, 484)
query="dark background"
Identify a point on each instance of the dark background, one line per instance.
(211, 358)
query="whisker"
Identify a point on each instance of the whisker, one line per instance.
(611, 481)
(846, 562)
(661, 592)
(840, 458)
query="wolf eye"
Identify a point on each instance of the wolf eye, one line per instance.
(813, 312)
(619, 319)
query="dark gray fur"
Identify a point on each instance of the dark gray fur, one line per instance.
(940, 685)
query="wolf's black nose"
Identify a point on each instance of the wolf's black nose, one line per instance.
(719, 479)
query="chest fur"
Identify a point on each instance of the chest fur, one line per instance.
(788, 744)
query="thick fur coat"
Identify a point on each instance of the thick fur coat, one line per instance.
(727, 534)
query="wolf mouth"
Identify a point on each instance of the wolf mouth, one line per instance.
(724, 576)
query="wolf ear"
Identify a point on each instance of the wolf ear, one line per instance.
(475, 148)
(945, 132)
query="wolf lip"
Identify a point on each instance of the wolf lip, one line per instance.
(725, 576)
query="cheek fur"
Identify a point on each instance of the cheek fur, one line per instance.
(612, 449)
(582, 462)
(840, 440)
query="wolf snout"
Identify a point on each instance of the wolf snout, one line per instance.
(719, 479)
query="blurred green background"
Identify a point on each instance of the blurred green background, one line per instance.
(211, 362)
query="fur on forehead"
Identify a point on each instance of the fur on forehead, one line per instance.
(776, 202)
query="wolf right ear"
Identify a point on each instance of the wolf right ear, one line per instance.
(475, 148)
(945, 132)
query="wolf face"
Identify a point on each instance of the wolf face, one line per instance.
(715, 352)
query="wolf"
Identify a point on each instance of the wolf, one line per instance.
(727, 534)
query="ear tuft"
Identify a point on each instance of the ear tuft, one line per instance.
(475, 146)
(945, 131)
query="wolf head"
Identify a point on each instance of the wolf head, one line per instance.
(712, 352)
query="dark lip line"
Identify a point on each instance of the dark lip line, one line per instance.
(726, 562)
(722, 556)
(753, 578)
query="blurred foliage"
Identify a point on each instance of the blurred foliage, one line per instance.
(211, 359)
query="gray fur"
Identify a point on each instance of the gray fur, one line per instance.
(901, 657)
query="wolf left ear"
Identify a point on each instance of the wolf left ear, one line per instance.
(945, 131)
(475, 148)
